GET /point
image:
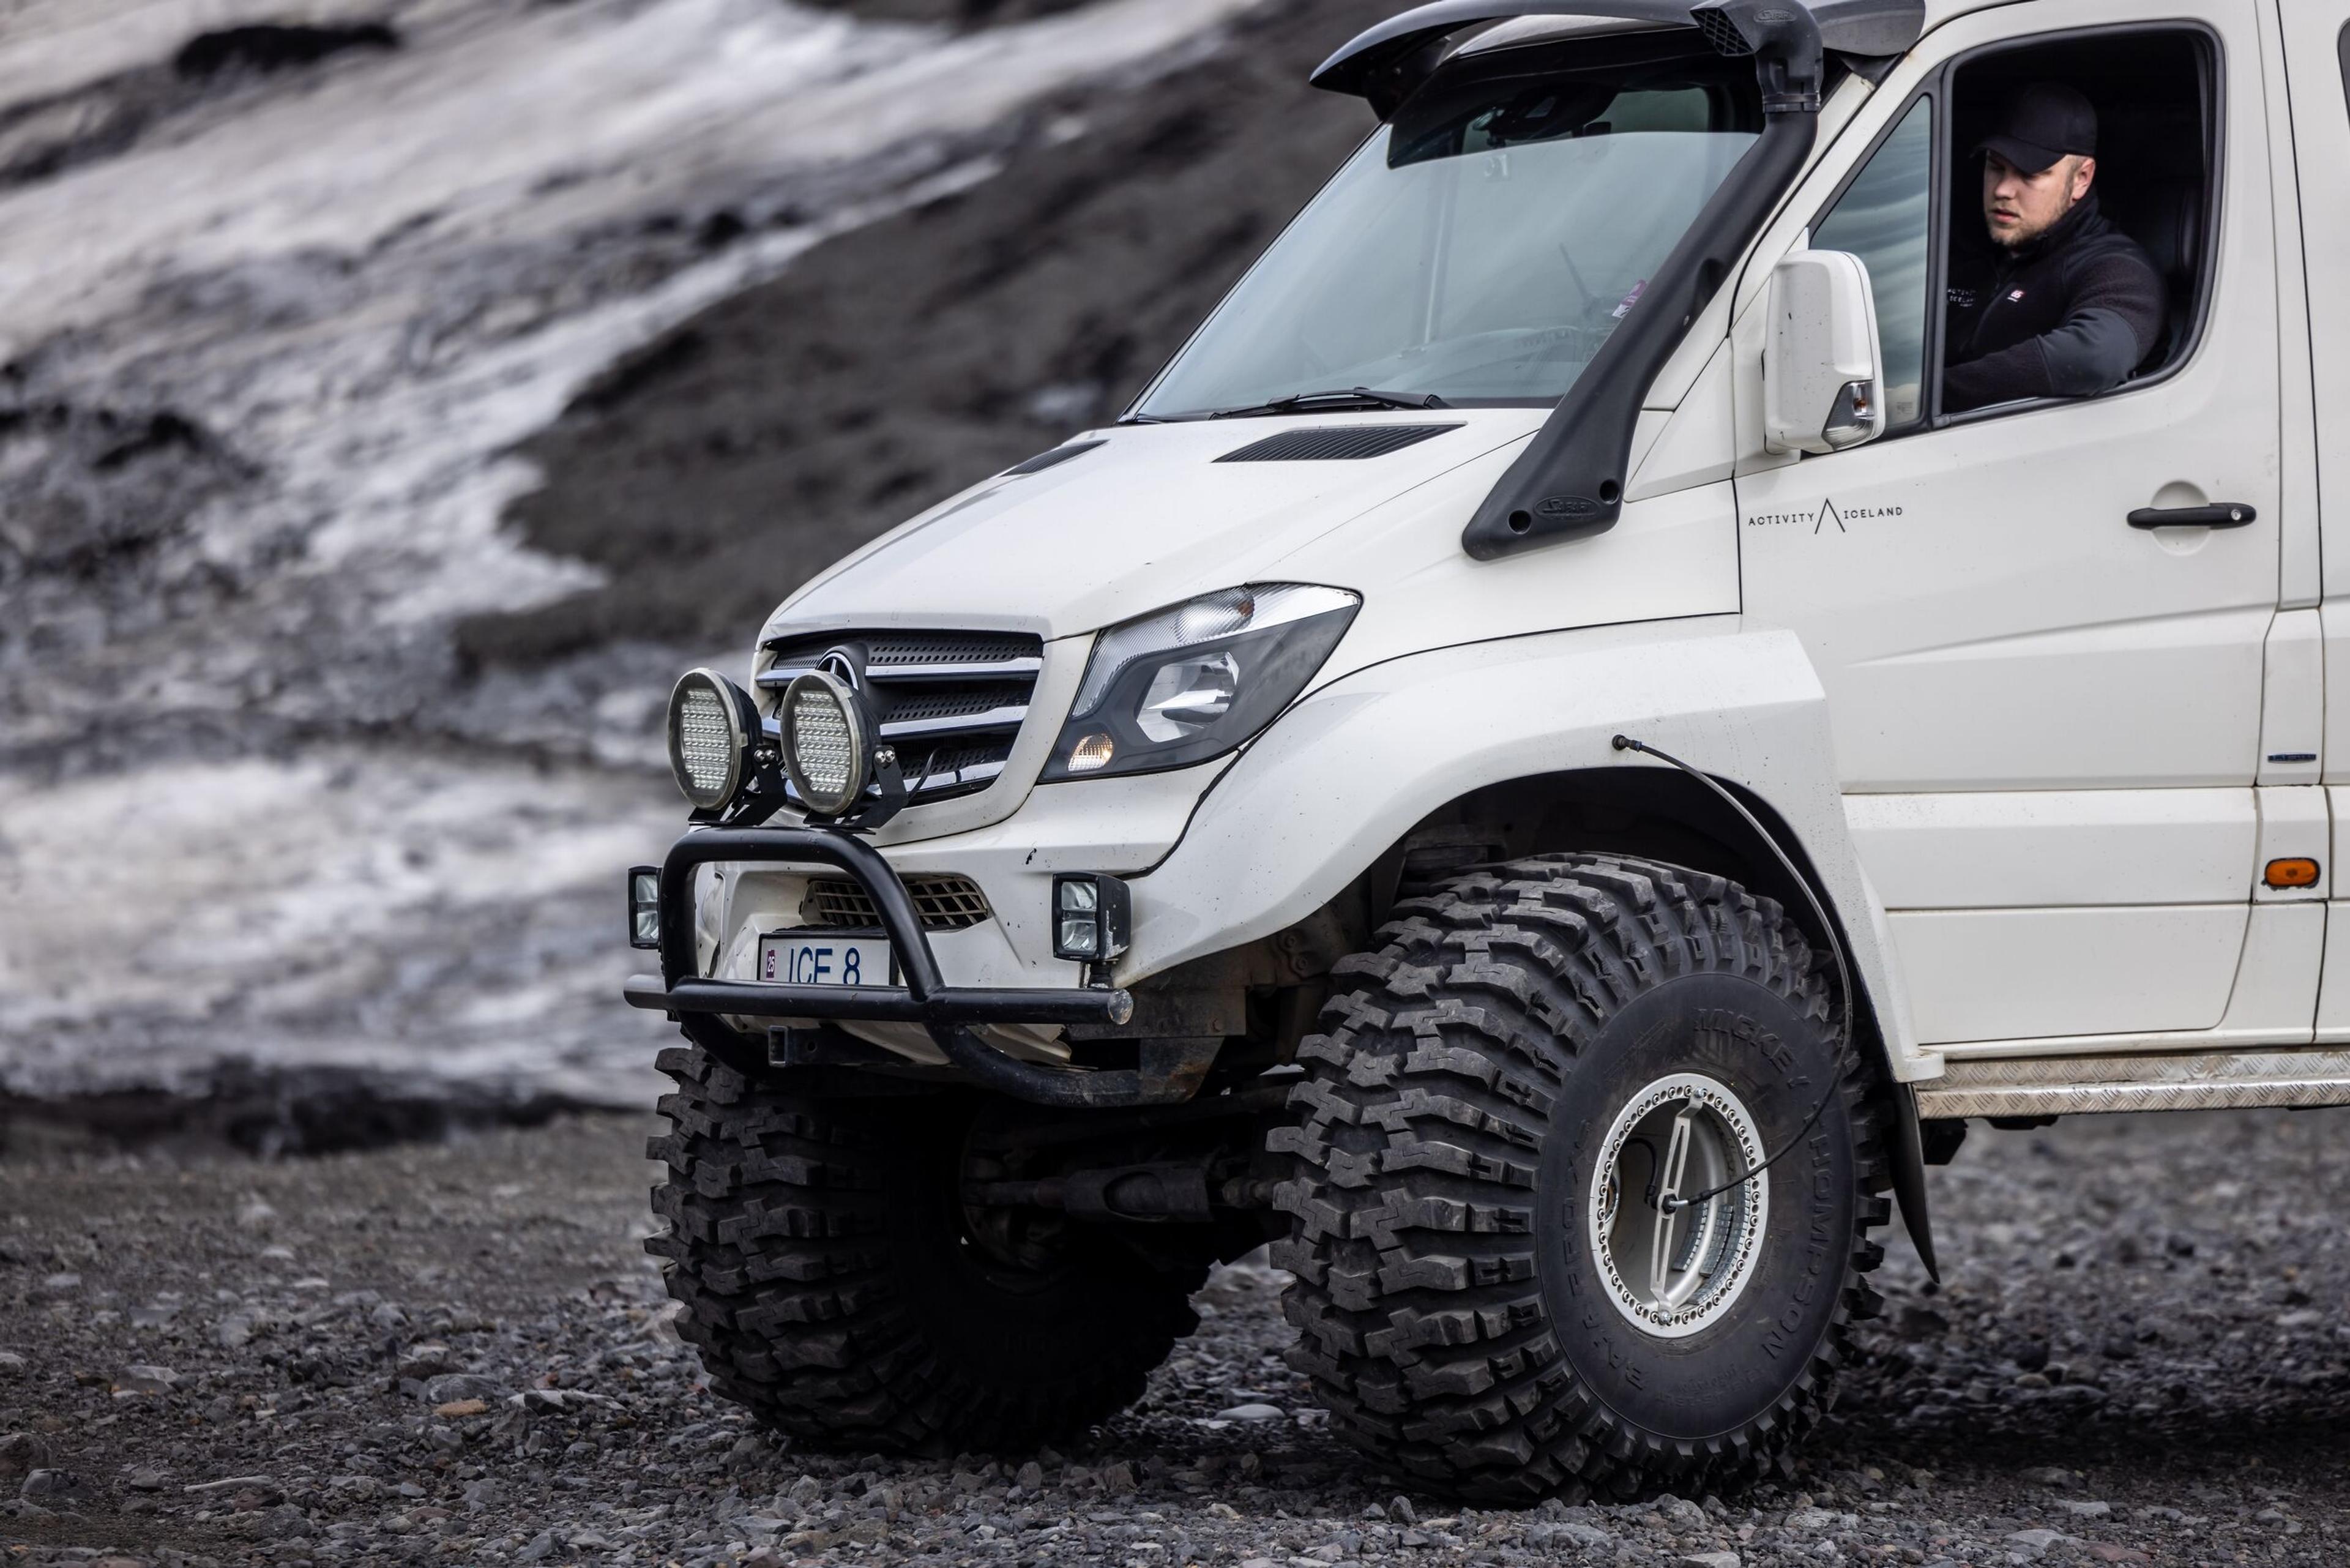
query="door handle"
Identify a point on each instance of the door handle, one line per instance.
(2218, 514)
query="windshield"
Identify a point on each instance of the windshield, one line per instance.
(1482, 247)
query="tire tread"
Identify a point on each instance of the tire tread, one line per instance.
(1428, 1091)
(779, 1246)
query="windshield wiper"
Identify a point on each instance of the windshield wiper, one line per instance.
(1344, 398)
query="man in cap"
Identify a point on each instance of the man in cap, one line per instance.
(2066, 305)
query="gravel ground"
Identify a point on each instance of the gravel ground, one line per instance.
(458, 1354)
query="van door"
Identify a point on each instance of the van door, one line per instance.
(2047, 715)
(2317, 55)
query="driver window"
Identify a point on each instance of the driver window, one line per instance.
(1885, 218)
(2107, 290)
(2108, 293)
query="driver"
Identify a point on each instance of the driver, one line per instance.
(2065, 305)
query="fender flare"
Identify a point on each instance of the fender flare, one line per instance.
(1350, 770)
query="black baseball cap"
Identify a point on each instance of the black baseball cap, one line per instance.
(2041, 124)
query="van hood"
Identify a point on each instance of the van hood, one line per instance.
(1152, 516)
(1155, 515)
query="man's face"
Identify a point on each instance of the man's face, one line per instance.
(2020, 207)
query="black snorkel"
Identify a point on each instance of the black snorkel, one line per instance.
(1569, 482)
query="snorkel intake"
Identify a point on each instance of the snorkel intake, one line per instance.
(1569, 482)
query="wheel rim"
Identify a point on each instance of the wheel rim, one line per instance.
(1671, 1271)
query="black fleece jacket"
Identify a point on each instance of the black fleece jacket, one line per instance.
(2070, 314)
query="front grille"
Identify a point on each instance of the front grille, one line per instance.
(952, 702)
(945, 903)
(901, 650)
(967, 703)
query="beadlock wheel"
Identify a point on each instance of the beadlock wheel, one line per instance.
(1513, 1278)
(1672, 1270)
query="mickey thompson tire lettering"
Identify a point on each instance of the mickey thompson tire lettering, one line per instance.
(1449, 1125)
(817, 1246)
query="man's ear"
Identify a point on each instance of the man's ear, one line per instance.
(2085, 174)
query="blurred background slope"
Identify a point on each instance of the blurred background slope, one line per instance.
(394, 396)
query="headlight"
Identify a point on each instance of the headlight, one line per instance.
(1195, 681)
(827, 743)
(710, 725)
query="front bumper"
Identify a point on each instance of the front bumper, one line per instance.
(946, 1012)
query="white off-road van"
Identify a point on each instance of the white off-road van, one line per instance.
(1540, 766)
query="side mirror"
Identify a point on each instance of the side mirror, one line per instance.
(1822, 370)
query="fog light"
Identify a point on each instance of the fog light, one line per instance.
(1091, 918)
(644, 906)
(711, 720)
(827, 743)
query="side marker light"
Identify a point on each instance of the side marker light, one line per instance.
(2298, 872)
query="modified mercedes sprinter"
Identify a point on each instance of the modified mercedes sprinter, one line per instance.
(1546, 767)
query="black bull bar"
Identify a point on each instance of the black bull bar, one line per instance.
(946, 1012)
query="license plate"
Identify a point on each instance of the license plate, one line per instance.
(789, 958)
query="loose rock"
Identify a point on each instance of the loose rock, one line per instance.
(452, 1387)
(53, 1486)
(1252, 1412)
(21, 1453)
(305, 1443)
(146, 1379)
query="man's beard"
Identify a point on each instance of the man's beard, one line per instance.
(2017, 241)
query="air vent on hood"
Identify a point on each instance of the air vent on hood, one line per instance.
(1058, 455)
(1325, 445)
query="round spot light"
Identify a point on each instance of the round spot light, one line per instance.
(827, 743)
(707, 738)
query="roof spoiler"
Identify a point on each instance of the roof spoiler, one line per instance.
(1388, 62)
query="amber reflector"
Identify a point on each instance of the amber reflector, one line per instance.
(2295, 873)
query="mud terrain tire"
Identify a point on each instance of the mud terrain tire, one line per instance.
(830, 1285)
(1452, 1313)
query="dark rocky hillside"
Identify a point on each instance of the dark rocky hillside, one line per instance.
(296, 297)
(726, 463)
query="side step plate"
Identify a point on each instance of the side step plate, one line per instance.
(2157, 1081)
